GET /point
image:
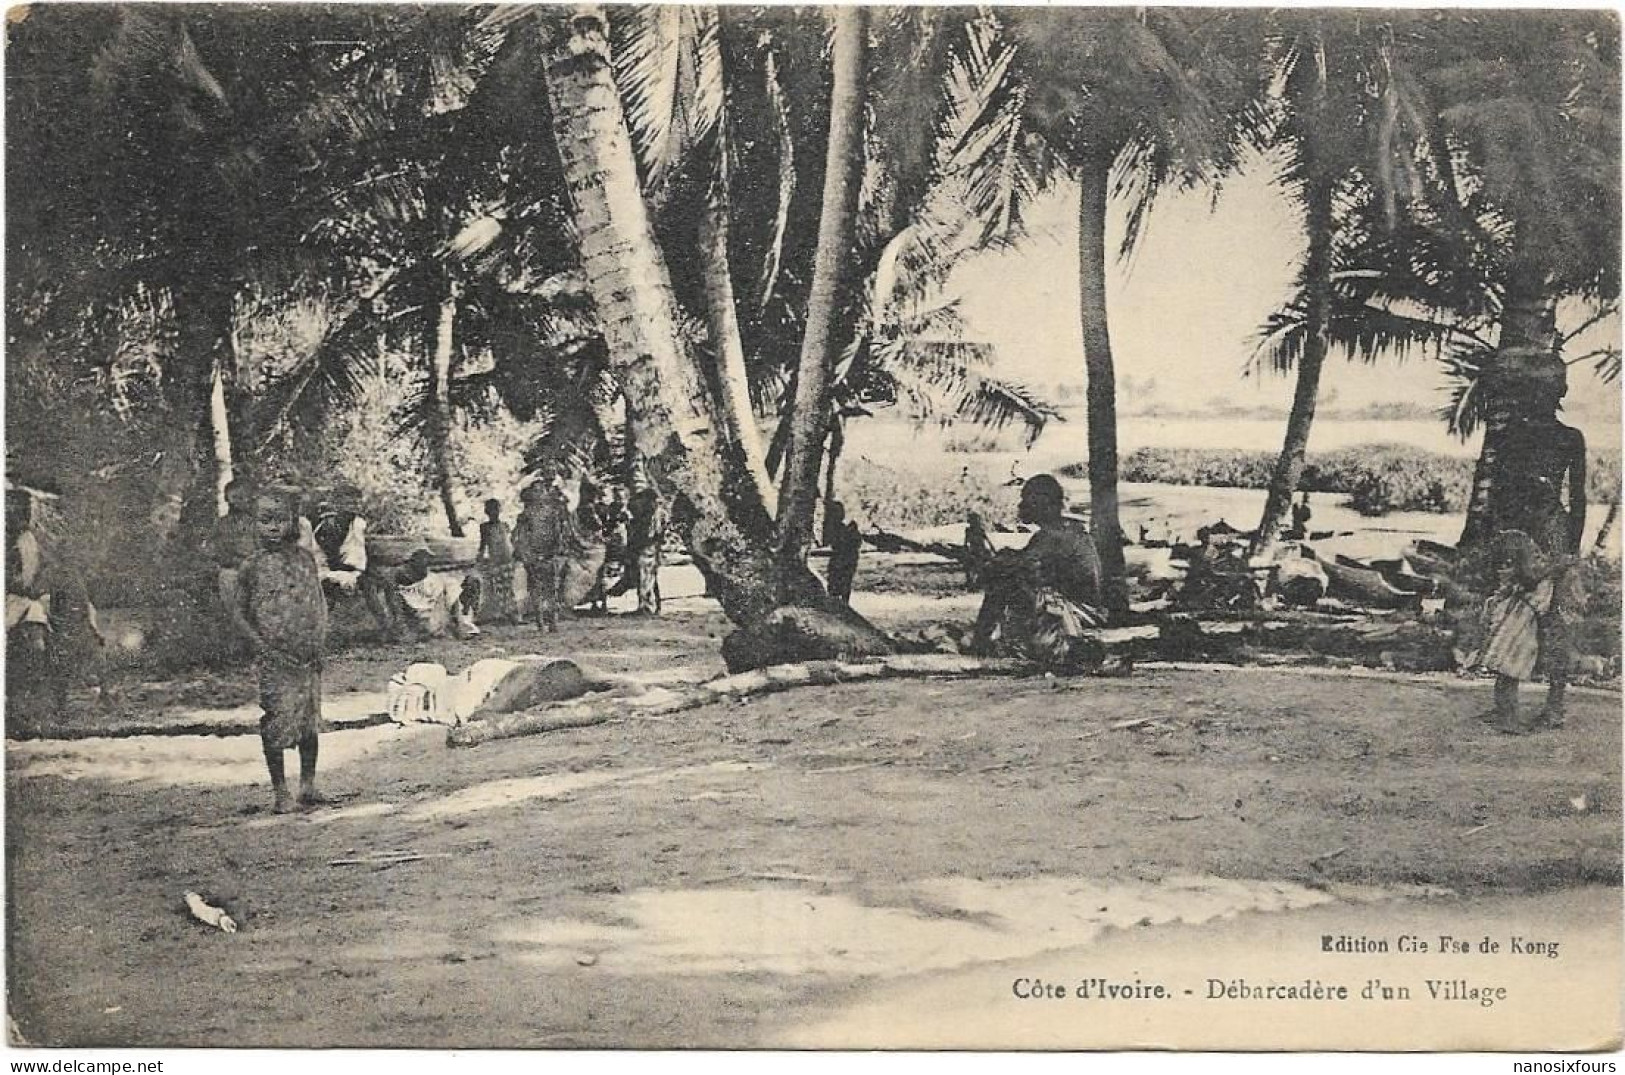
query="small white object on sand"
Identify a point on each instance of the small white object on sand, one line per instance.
(209, 915)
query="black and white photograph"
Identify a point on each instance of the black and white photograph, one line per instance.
(646, 527)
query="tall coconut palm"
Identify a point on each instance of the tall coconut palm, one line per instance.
(947, 170)
(681, 96)
(935, 184)
(1325, 70)
(843, 168)
(674, 423)
(1130, 102)
(434, 208)
(180, 176)
(1530, 104)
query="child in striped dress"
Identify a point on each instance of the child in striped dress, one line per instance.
(1525, 629)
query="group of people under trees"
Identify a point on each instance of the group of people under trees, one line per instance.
(1041, 601)
(568, 553)
(279, 567)
(566, 556)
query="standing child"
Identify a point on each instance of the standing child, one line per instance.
(1525, 630)
(645, 535)
(978, 550)
(496, 565)
(282, 612)
(846, 542)
(539, 542)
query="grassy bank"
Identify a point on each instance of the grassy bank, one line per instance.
(1378, 478)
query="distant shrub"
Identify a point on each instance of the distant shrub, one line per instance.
(972, 443)
(894, 499)
(1378, 478)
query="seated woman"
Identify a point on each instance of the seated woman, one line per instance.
(1041, 600)
(426, 604)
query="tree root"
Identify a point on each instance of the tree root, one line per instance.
(597, 709)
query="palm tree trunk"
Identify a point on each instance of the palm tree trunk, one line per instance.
(1319, 224)
(1094, 189)
(1527, 342)
(722, 318)
(220, 427)
(843, 169)
(837, 442)
(439, 425)
(672, 416)
(203, 316)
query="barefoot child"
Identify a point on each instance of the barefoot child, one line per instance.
(282, 612)
(1525, 630)
(496, 560)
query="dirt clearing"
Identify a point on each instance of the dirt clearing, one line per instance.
(733, 873)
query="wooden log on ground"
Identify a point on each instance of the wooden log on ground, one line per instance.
(598, 709)
(141, 729)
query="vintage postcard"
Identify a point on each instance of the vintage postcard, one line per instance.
(951, 528)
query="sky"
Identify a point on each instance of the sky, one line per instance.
(1185, 309)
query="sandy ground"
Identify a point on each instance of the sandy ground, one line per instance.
(784, 870)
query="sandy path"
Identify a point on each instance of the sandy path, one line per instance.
(562, 869)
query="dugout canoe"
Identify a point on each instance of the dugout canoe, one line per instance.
(1364, 585)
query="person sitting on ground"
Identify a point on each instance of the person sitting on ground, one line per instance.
(1041, 601)
(341, 536)
(282, 612)
(846, 542)
(978, 550)
(338, 542)
(428, 604)
(1301, 514)
(496, 561)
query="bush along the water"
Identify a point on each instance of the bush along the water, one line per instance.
(1377, 478)
(902, 499)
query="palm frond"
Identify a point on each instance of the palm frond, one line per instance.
(995, 404)
(1361, 331)
(1464, 368)
(1605, 361)
(330, 376)
(780, 109)
(668, 65)
(947, 379)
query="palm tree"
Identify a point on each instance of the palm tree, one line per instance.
(183, 176)
(681, 95)
(936, 183)
(1529, 103)
(1326, 67)
(843, 168)
(674, 423)
(436, 211)
(1129, 102)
